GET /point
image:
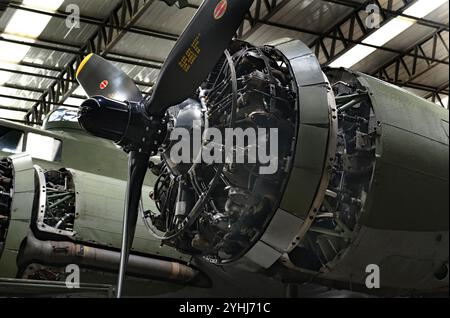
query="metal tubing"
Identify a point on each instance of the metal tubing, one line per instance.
(57, 253)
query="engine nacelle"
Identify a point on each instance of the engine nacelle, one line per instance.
(361, 175)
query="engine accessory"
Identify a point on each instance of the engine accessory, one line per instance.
(219, 210)
(56, 212)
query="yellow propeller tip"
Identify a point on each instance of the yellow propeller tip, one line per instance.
(83, 63)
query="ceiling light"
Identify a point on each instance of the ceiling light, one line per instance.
(22, 20)
(386, 33)
(8, 102)
(18, 28)
(423, 7)
(47, 4)
(12, 52)
(10, 114)
(74, 101)
(7, 91)
(353, 56)
(4, 77)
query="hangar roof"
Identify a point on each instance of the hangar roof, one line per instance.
(405, 42)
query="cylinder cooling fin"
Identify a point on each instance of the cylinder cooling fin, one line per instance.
(375, 208)
(220, 210)
(303, 215)
(17, 190)
(306, 215)
(56, 211)
(338, 218)
(77, 206)
(347, 186)
(44, 203)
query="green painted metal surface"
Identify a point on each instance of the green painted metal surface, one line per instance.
(99, 206)
(410, 184)
(313, 130)
(81, 151)
(100, 174)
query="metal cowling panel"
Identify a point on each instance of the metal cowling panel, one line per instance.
(307, 176)
(410, 186)
(21, 210)
(313, 130)
(99, 213)
(407, 259)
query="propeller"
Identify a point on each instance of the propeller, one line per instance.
(137, 167)
(100, 77)
(197, 51)
(139, 128)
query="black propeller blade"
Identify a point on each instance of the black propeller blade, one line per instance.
(197, 51)
(137, 167)
(139, 135)
(139, 128)
(100, 77)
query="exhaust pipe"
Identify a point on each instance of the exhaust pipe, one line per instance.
(54, 253)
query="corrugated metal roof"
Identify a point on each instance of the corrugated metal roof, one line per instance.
(301, 19)
(163, 18)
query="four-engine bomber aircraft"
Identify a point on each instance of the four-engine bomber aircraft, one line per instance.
(361, 180)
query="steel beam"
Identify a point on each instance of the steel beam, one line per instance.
(14, 109)
(437, 95)
(97, 22)
(45, 44)
(156, 64)
(122, 17)
(400, 64)
(346, 39)
(26, 99)
(38, 90)
(388, 12)
(44, 67)
(351, 28)
(264, 10)
(32, 89)
(3, 5)
(28, 73)
(52, 45)
(120, 22)
(16, 120)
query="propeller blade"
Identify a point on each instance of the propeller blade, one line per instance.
(137, 167)
(187, 66)
(100, 77)
(196, 52)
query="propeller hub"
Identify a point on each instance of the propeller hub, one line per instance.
(125, 123)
